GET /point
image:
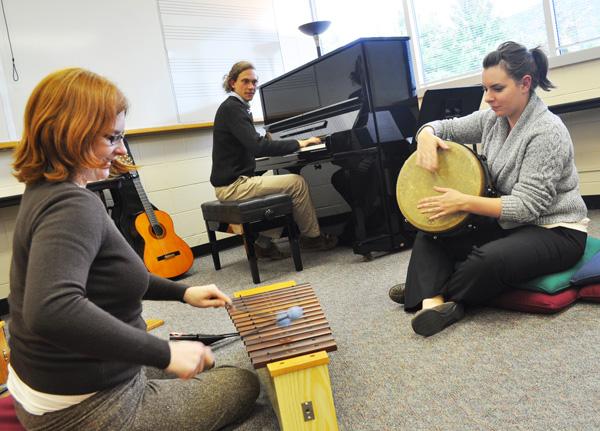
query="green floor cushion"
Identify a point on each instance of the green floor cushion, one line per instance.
(535, 302)
(553, 283)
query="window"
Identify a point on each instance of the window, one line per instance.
(351, 19)
(451, 37)
(577, 24)
(455, 35)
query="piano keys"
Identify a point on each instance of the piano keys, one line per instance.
(361, 99)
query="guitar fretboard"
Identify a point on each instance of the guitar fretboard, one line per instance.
(145, 202)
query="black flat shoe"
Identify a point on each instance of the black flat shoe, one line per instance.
(396, 293)
(432, 320)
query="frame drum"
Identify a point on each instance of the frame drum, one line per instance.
(459, 168)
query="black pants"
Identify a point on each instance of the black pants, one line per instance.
(476, 266)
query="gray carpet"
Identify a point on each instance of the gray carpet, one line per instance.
(494, 370)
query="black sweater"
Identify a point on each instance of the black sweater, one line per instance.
(236, 144)
(76, 290)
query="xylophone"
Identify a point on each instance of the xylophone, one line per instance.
(291, 361)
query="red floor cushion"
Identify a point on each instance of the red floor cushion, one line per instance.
(8, 417)
(590, 293)
(535, 302)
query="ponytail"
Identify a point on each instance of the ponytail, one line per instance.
(541, 62)
(518, 61)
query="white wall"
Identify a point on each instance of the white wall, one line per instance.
(121, 40)
(175, 172)
(579, 82)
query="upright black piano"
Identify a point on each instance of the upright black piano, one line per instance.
(361, 99)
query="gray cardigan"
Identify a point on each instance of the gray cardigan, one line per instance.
(532, 165)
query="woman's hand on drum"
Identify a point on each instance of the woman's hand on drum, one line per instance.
(189, 358)
(449, 202)
(206, 296)
(427, 146)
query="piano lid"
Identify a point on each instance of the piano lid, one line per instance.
(367, 75)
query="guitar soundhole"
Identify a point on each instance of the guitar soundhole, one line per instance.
(157, 230)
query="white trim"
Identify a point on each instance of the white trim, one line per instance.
(168, 62)
(551, 31)
(313, 9)
(574, 57)
(412, 33)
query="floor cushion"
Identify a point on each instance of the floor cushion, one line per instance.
(535, 302)
(8, 417)
(589, 273)
(590, 293)
(553, 283)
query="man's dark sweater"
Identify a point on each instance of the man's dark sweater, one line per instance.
(76, 290)
(236, 143)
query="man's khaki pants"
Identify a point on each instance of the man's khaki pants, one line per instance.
(291, 184)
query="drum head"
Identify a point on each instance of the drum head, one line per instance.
(459, 169)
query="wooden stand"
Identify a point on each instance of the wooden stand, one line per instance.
(298, 386)
(300, 392)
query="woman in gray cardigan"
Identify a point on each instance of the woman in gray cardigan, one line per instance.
(541, 221)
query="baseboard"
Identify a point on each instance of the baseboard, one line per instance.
(224, 244)
(592, 202)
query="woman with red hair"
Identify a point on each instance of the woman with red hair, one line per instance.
(80, 354)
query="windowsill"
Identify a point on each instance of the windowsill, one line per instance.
(555, 62)
(582, 56)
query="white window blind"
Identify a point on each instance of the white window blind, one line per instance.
(455, 35)
(577, 24)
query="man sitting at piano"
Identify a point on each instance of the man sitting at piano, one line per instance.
(236, 144)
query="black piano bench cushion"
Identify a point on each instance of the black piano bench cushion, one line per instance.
(248, 210)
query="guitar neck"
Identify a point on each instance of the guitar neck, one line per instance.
(145, 202)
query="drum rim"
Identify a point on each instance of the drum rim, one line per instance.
(466, 215)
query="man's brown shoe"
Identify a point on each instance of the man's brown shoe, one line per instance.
(271, 252)
(322, 242)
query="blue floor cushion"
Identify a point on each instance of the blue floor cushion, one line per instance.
(589, 273)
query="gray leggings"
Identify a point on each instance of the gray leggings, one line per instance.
(210, 401)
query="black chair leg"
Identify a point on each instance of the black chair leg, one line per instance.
(249, 239)
(214, 246)
(294, 245)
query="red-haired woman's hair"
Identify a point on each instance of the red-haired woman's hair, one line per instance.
(67, 112)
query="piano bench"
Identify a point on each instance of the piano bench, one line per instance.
(254, 215)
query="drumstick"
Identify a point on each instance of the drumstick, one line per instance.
(283, 319)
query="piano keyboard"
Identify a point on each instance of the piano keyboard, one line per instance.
(313, 148)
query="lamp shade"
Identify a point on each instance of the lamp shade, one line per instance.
(314, 28)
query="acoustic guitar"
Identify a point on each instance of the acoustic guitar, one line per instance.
(164, 253)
